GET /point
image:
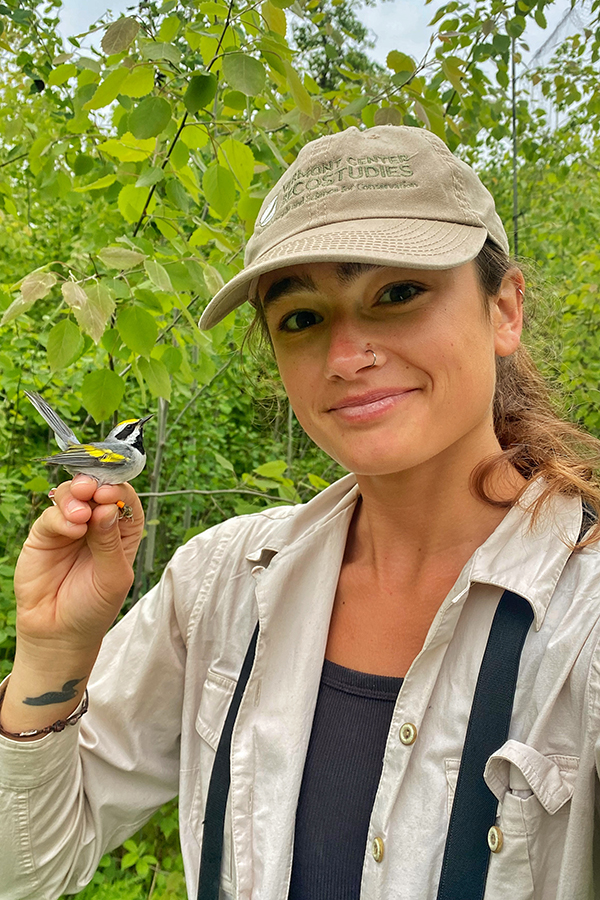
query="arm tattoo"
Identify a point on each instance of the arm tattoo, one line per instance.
(68, 692)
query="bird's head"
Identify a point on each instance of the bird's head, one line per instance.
(131, 431)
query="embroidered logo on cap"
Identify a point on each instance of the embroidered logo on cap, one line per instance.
(269, 212)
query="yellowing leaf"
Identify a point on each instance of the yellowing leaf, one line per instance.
(274, 17)
(94, 316)
(119, 35)
(62, 74)
(239, 158)
(97, 185)
(107, 91)
(139, 82)
(74, 295)
(131, 202)
(213, 278)
(158, 275)
(194, 136)
(37, 285)
(127, 148)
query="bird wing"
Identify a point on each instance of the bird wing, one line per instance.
(88, 455)
(63, 434)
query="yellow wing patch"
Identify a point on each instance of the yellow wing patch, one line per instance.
(102, 455)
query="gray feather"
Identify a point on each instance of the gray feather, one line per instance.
(63, 434)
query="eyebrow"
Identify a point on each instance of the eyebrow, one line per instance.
(346, 273)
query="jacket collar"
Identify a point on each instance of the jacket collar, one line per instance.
(517, 557)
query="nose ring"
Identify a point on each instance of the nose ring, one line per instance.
(368, 350)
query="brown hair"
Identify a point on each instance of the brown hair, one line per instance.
(534, 438)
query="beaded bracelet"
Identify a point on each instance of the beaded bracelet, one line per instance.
(57, 726)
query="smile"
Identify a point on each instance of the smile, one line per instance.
(365, 407)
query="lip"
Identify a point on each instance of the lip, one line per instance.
(370, 404)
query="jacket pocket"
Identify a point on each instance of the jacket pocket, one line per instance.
(216, 696)
(534, 793)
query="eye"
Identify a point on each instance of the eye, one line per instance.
(402, 292)
(300, 320)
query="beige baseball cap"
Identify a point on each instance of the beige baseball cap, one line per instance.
(390, 195)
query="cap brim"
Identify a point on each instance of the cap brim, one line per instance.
(413, 243)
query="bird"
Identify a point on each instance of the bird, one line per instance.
(118, 458)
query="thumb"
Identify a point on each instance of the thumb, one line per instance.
(112, 570)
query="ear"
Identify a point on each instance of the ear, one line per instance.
(507, 313)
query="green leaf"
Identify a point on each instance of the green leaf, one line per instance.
(150, 117)
(158, 275)
(65, 344)
(102, 391)
(139, 82)
(97, 185)
(156, 376)
(131, 202)
(516, 26)
(388, 115)
(219, 189)
(400, 62)
(151, 175)
(273, 469)
(169, 28)
(239, 158)
(317, 482)
(38, 484)
(244, 73)
(161, 50)
(119, 35)
(120, 258)
(223, 462)
(301, 97)
(138, 329)
(16, 308)
(62, 73)
(108, 90)
(200, 91)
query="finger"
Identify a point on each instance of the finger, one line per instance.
(112, 493)
(53, 524)
(72, 508)
(83, 487)
(112, 570)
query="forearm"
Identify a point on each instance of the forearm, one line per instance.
(44, 688)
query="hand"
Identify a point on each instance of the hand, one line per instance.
(76, 568)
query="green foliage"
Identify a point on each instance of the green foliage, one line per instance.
(130, 179)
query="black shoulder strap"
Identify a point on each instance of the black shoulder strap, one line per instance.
(466, 855)
(218, 789)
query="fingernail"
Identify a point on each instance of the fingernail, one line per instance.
(110, 522)
(74, 506)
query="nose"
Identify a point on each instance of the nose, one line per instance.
(349, 352)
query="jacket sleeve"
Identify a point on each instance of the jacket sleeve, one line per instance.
(69, 797)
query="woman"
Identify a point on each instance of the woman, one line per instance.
(380, 270)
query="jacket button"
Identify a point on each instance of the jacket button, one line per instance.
(377, 849)
(495, 839)
(408, 733)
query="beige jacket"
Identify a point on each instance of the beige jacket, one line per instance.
(161, 687)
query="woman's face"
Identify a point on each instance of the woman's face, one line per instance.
(430, 391)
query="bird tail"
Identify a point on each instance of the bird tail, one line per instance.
(63, 434)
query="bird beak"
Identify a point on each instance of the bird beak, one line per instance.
(145, 419)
